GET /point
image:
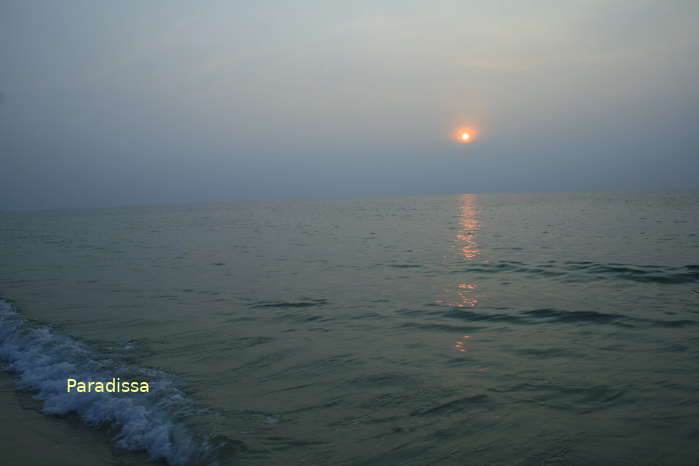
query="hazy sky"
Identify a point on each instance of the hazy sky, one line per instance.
(120, 102)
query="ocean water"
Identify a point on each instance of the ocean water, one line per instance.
(468, 329)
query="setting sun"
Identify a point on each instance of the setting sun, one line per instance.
(464, 135)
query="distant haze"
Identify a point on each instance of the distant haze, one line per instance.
(144, 102)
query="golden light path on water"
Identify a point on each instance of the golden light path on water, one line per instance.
(468, 246)
(469, 227)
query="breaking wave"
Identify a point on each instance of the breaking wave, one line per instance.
(43, 359)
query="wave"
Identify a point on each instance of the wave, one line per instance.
(539, 316)
(580, 398)
(458, 405)
(43, 359)
(290, 304)
(583, 271)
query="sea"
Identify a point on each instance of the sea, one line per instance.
(474, 329)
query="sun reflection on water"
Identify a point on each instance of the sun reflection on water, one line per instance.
(469, 227)
(465, 294)
(461, 345)
(468, 247)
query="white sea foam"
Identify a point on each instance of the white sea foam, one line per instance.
(43, 359)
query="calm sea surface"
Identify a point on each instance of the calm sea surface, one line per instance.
(468, 329)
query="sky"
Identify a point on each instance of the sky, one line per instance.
(106, 103)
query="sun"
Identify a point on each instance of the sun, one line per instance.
(464, 135)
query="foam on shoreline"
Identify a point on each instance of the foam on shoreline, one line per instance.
(43, 359)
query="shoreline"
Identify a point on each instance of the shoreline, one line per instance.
(31, 438)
